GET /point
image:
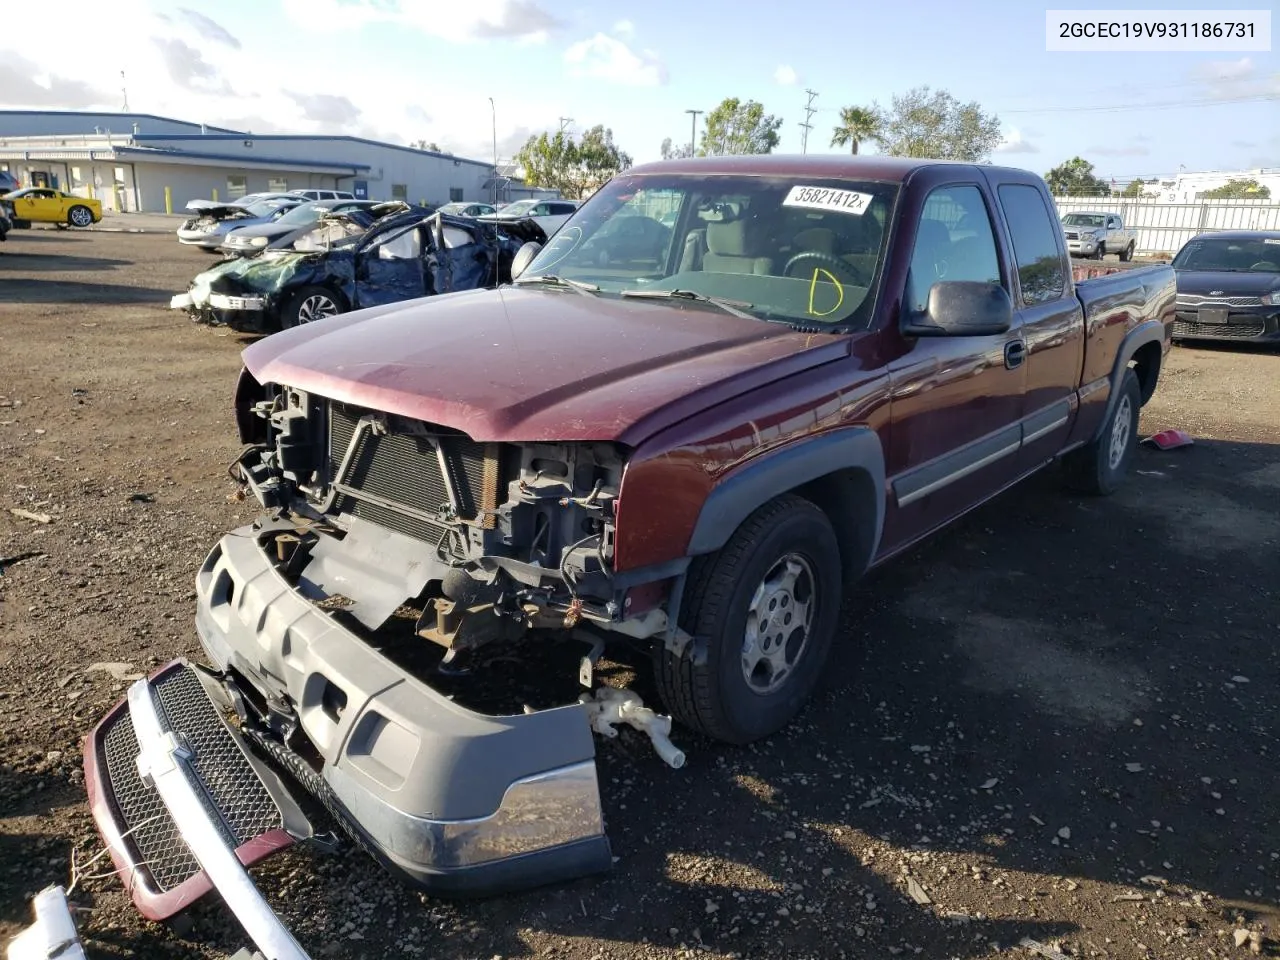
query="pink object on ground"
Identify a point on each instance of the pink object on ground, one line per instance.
(1170, 439)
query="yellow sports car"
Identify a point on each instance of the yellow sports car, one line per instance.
(43, 205)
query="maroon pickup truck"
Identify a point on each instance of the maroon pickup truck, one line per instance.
(720, 393)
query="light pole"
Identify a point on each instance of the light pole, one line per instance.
(493, 112)
(693, 136)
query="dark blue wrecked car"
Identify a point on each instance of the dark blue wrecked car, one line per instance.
(342, 266)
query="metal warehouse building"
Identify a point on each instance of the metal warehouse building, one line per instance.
(139, 162)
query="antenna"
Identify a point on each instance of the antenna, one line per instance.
(809, 111)
(124, 90)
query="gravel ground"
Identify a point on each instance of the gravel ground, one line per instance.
(1055, 721)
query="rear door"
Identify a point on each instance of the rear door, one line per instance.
(1051, 318)
(390, 267)
(957, 401)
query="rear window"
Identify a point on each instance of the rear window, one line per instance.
(1035, 244)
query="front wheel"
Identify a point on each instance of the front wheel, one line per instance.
(765, 606)
(80, 216)
(1127, 254)
(308, 305)
(1100, 467)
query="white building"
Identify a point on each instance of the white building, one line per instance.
(1187, 187)
(140, 162)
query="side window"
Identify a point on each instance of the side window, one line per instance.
(1035, 244)
(541, 210)
(954, 241)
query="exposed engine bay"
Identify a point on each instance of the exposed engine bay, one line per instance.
(484, 540)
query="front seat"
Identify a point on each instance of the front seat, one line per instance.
(728, 250)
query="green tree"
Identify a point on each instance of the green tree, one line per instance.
(574, 168)
(427, 145)
(737, 127)
(1075, 179)
(932, 123)
(1238, 190)
(670, 152)
(857, 124)
(1134, 189)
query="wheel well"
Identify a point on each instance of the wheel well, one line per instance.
(848, 498)
(1146, 366)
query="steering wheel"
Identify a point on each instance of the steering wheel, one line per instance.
(845, 272)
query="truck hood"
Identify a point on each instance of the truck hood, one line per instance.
(523, 365)
(1232, 284)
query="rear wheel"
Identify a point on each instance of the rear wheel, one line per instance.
(310, 304)
(1100, 467)
(766, 607)
(80, 216)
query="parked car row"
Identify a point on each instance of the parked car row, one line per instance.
(346, 255)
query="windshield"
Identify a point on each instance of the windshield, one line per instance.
(1084, 220)
(792, 249)
(519, 208)
(1260, 255)
(307, 213)
(263, 208)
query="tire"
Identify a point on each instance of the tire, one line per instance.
(1101, 252)
(1100, 467)
(309, 304)
(732, 693)
(80, 216)
(1127, 253)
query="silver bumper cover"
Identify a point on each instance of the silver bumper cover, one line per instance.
(460, 802)
(218, 301)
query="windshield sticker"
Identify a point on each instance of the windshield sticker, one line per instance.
(826, 198)
(813, 289)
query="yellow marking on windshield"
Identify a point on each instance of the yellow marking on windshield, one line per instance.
(813, 289)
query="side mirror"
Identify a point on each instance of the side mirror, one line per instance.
(524, 256)
(963, 308)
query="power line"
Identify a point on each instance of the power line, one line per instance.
(809, 111)
(1166, 105)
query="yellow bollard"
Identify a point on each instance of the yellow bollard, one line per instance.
(90, 186)
(168, 200)
(215, 194)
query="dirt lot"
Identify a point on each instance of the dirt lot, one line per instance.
(1055, 721)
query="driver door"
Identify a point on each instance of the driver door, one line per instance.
(391, 268)
(956, 401)
(39, 205)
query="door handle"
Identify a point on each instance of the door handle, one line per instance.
(1015, 351)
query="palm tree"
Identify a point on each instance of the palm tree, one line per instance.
(856, 124)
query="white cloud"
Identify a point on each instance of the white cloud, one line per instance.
(1015, 141)
(606, 58)
(494, 20)
(1232, 79)
(786, 76)
(624, 28)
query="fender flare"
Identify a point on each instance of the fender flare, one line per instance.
(1149, 331)
(770, 475)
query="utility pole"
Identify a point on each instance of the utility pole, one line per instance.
(124, 90)
(693, 136)
(564, 122)
(809, 111)
(493, 111)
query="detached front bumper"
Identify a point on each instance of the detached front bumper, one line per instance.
(217, 301)
(458, 801)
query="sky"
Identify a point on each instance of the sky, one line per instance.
(407, 70)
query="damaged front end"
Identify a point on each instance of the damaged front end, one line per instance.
(349, 630)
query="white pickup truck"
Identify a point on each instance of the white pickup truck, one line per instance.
(1091, 234)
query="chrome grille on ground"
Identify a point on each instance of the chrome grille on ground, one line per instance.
(1197, 300)
(243, 804)
(399, 481)
(1245, 330)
